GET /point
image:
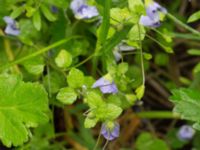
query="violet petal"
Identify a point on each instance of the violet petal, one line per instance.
(185, 133)
(110, 134)
(147, 21)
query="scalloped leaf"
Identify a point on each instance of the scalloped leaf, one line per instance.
(187, 104)
(22, 105)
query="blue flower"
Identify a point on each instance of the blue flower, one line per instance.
(11, 27)
(83, 11)
(122, 47)
(110, 133)
(106, 85)
(185, 133)
(152, 19)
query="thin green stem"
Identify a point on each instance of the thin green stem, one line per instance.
(184, 36)
(84, 61)
(39, 52)
(141, 56)
(158, 114)
(166, 37)
(160, 44)
(98, 139)
(177, 21)
(104, 147)
(95, 60)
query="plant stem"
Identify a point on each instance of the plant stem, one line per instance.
(84, 61)
(41, 51)
(184, 36)
(98, 139)
(141, 56)
(160, 44)
(177, 21)
(158, 114)
(104, 147)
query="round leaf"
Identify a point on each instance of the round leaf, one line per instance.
(67, 95)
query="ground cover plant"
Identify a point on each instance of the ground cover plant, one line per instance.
(95, 74)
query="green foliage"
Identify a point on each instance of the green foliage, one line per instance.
(23, 105)
(53, 43)
(137, 33)
(37, 20)
(75, 79)
(187, 104)
(140, 91)
(194, 17)
(53, 82)
(67, 95)
(63, 59)
(100, 109)
(34, 66)
(49, 16)
(195, 52)
(90, 122)
(94, 100)
(107, 112)
(147, 141)
(106, 22)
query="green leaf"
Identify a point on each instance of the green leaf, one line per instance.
(30, 11)
(197, 68)
(63, 59)
(47, 13)
(137, 9)
(90, 122)
(119, 15)
(22, 105)
(140, 91)
(53, 81)
(28, 33)
(135, 4)
(134, 33)
(147, 142)
(34, 65)
(75, 79)
(105, 22)
(194, 17)
(131, 98)
(67, 95)
(107, 112)
(114, 99)
(113, 111)
(37, 20)
(88, 81)
(195, 52)
(94, 100)
(187, 104)
(147, 56)
(17, 12)
(122, 68)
